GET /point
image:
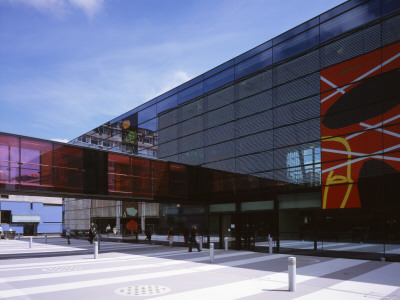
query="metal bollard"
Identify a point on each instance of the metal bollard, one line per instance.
(201, 243)
(45, 238)
(211, 252)
(96, 250)
(226, 244)
(292, 273)
(30, 242)
(270, 244)
(98, 239)
(383, 259)
(19, 236)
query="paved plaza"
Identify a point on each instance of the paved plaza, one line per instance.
(55, 270)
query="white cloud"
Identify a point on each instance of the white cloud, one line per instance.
(60, 8)
(90, 7)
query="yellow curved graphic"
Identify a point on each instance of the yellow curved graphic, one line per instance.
(337, 179)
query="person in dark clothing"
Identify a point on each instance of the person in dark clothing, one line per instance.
(68, 235)
(193, 241)
(149, 232)
(186, 236)
(92, 234)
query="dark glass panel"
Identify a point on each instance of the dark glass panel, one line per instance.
(389, 6)
(339, 9)
(167, 94)
(356, 17)
(147, 114)
(36, 161)
(95, 172)
(147, 104)
(254, 64)
(220, 68)
(296, 45)
(190, 83)
(141, 173)
(150, 125)
(168, 103)
(178, 180)
(123, 116)
(292, 32)
(160, 178)
(119, 175)
(9, 159)
(253, 52)
(68, 167)
(219, 80)
(190, 93)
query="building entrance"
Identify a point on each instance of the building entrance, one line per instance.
(255, 228)
(29, 229)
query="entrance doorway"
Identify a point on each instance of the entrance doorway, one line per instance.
(221, 227)
(30, 229)
(255, 228)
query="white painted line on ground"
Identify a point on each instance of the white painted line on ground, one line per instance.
(112, 280)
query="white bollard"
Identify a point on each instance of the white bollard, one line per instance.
(96, 250)
(19, 236)
(226, 244)
(211, 252)
(292, 273)
(201, 243)
(30, 242)
(270, 244)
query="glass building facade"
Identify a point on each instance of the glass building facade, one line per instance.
(312, 114)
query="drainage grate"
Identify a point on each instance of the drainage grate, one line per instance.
(142, 290)
(62, 269)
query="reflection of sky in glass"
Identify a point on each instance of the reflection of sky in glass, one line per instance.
(150, 125)
(312, 159)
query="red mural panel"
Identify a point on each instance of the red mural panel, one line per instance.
(360, 107)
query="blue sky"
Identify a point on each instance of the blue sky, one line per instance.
(67, 66)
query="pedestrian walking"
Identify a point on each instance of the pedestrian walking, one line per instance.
(68, 235)
(171, 233)
(92, 234)
(193, 241)
(108, 229)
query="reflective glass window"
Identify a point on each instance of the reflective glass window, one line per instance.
(36, 161)
(147, 114)
(254, 64)
(219, 80)
(141, 174)
(123, 116)
(68, 167)
(190, 83)
(339, 9)
(147, 104)
(9, 159)
(150, 125)
(168, 103)
(190, 93)
(253, 51)
(220, 68)
(297, 44)
(389, 6)
(303, 27)
(349, 20)
(160, 178)
(119, 180)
